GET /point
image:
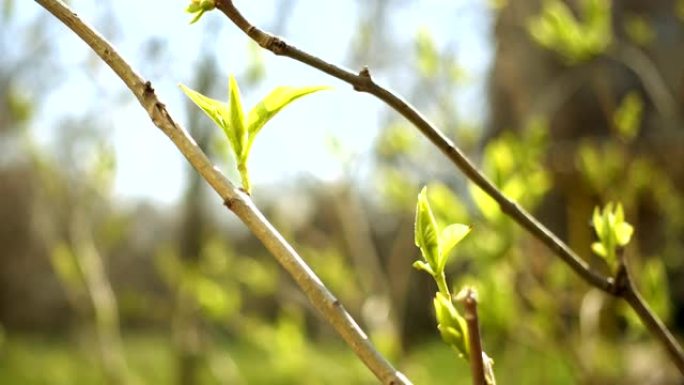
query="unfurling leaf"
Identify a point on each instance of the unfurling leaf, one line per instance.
(426, 232)
(597, 247)
(612, 231)
(210, 106)
(237, 120)
(269, 106)
(623, 233)
(450, 237)
(451, 325)
(199, 7)
(420, 265)
(231, 117)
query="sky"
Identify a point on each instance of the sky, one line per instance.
(296, 142)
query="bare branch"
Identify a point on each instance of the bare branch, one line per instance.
(236, 200)
(364, 83)
(626, 289)
(477, 369)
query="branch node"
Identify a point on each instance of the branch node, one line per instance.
(622, 283)
(148, 91)
(365, 72)
(274, 44)
(364, 80)
(230, 202)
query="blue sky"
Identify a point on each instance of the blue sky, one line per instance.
(295, 142)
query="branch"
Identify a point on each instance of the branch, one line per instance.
(477, 369)
(363, 82)
(627, 290)
(236, 200)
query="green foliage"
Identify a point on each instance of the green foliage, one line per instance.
(451, 325)
(426, 236)
(446, 205)
(431, 63)
(241, 130)
(638, 29)
(210, 282)
(515, 164)
(602, 167)
(66, 267)
(679, 9)
(19, 106)
(612, 231)
(397, 188)
(435, 246)
(428, 55)
(557, 29)
(199, 7)
(653, 286)
(627, 117)
(397, 140)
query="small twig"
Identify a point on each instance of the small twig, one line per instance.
(627, 290)
(363, 82)
(477, 369)
(237, 201)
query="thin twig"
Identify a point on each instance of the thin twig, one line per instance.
(363, 82)
(477, 370)
(626, 289)
(237, 201)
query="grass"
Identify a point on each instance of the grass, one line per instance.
(30, 359)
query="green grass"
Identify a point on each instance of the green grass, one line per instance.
(40, 360)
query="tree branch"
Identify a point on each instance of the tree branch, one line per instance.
(627, 290)
(477, 369)
(364, 83)
(236, 200)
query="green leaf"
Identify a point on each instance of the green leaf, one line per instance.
(237, 121)
(426, 231)
(623, 233)
(556, 28)
(193, 7)
(597, 221)
(197, 16)
(619, 213)
(612, 231)
(450, 237)
(216, 110)
(420, 265)
(271, 105)
(451, 325)
(598, 248)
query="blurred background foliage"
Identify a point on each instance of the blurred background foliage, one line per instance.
(584, 102)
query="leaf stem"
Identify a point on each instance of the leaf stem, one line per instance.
(244, 177)
(440, 279)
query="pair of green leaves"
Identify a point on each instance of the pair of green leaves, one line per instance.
(612, 231)
(434, 244)
(198, 7)
(240, 129)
